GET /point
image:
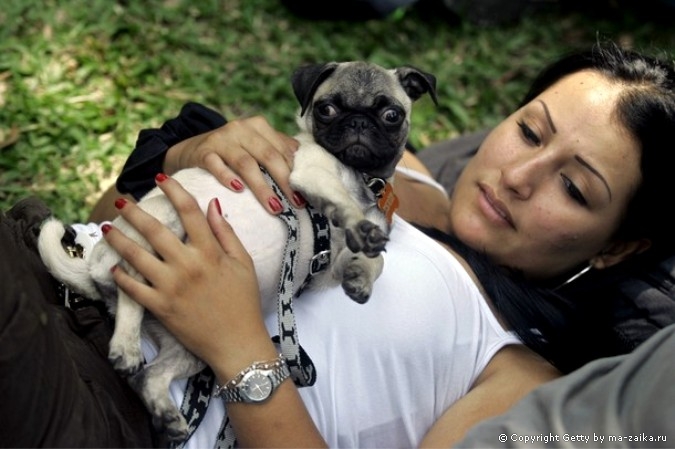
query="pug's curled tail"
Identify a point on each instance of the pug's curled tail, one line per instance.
(71, 270)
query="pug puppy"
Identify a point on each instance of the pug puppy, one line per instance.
(354, 119)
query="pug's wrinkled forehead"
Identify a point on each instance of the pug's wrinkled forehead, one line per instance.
(360, 84)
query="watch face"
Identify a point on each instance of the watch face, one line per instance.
(258, 387)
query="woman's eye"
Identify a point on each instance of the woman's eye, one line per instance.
(573, 191)
(529, 135)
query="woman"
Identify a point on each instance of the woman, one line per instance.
(553, 188)
(567, 182)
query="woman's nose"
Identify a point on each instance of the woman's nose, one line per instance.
(522, 175)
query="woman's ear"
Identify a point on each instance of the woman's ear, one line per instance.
(618, 252)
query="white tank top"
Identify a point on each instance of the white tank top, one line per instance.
(388, 369)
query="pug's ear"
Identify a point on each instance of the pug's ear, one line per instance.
(619, 251)
(416, 82)
(307, 79)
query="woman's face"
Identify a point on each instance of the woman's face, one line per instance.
(549, 185)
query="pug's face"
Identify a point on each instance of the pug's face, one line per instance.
(360, 112)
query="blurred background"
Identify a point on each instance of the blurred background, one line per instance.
(80, 78)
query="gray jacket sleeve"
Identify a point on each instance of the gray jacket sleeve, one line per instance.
(623, 401)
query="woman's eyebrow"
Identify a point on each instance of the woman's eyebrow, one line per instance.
(579, 159)
(583, 162)
(548, 116)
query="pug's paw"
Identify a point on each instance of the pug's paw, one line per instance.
(366, 237)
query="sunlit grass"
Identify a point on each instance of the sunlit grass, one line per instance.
(79, 79)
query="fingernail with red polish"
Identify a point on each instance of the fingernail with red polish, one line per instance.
(106, 228)
(113, 268)
(275, 204)
(237, 185)
(120, 203)
(220, 211)
(161, 177)
(299, 199)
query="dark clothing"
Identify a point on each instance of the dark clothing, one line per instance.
(58, 388)
(146, 160)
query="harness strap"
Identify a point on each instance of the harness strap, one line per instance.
(322, 251)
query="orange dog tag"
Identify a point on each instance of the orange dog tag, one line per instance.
(388, 202)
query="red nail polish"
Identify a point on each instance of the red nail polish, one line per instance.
(299, 199)
(120, 203)
(161, 177)
(275, 204)
(113, 268)
(237, 185)
(106, 228)
(220, 211)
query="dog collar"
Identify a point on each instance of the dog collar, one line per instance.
(387, 201)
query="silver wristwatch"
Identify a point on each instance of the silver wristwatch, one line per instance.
(255, 383)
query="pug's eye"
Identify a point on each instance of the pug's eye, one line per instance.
(392, 116)
(327, 110)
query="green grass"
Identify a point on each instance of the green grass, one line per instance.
(80, 78)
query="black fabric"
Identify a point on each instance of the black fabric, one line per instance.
(640, 295)
(58, 388)
(636, 301)
(652, 305)
(147, 158)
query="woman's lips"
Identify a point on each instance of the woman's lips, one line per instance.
(493, 208)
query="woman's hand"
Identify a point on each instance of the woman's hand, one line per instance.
(233, 154)
(205, 290)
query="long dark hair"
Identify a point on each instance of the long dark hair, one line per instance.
(573, 325)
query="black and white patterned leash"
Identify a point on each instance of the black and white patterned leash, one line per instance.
(300, 366)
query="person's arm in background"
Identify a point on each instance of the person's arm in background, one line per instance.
(420, 202)
(512, 373)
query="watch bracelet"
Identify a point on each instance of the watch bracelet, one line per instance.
(264, 365)
(276, 378)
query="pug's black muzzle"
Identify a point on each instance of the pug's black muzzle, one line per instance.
(361, 143)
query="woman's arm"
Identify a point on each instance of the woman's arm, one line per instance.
(205, 292)
(420, 203)
(512, 373)
(233, 152)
